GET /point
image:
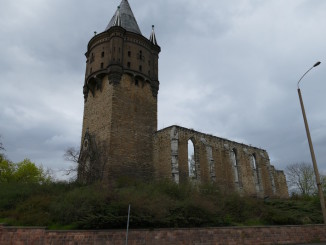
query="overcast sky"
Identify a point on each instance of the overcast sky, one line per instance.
(227, 68)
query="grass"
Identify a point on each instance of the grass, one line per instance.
(154, 205)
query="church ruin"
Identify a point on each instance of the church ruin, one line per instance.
(119, 134)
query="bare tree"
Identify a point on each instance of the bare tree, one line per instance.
(323, 182)
(1, 145)
(72, 155)
(301, 178)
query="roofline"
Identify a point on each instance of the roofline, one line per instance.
(209, 135)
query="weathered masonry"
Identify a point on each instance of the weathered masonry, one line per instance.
(119, 134)
(120, 110)
(231, 165)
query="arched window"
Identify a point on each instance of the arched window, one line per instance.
(255, 171)
(253, 162)
(235, 165)
(191, 160)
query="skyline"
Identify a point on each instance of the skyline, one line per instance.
(226, 69)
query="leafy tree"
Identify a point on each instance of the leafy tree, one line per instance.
(23, 172)
(28, 172)
(7, 170)
(301, 178)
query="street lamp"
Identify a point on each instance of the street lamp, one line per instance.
(320, 191)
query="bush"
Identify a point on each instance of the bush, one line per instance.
(153, 205)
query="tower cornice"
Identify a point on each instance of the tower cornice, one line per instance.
(117, 31)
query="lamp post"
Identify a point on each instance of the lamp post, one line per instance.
(320, 191)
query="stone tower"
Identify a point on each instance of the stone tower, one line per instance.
(120, 102)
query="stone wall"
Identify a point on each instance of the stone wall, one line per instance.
(135, 121)
(231, 165)
(207, 236)
(121, 119)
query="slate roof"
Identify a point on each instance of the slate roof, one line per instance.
(124, 18)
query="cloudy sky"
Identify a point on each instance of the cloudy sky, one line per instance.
(227, 68)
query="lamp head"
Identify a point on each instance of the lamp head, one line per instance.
(316, 64)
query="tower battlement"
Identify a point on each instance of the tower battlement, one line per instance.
(117, 51)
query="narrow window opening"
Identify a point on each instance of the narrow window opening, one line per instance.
(102, 65)
(128, 64)
(255, 170)
(235, 165)
(191, 160)
(140, 55)
(129, 54)
(140, 68)
(136, 82)
(253, 162)
(102, 55)
(91, 70)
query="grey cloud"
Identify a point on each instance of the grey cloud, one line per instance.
(226, 68)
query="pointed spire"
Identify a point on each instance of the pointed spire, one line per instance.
(152, 38)
(117, 19)
(127, 18)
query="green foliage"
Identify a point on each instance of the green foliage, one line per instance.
(7, 170)
(295, 211)
(22, 172)
(153, 205)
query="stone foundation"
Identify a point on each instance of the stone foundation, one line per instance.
(207, 236)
